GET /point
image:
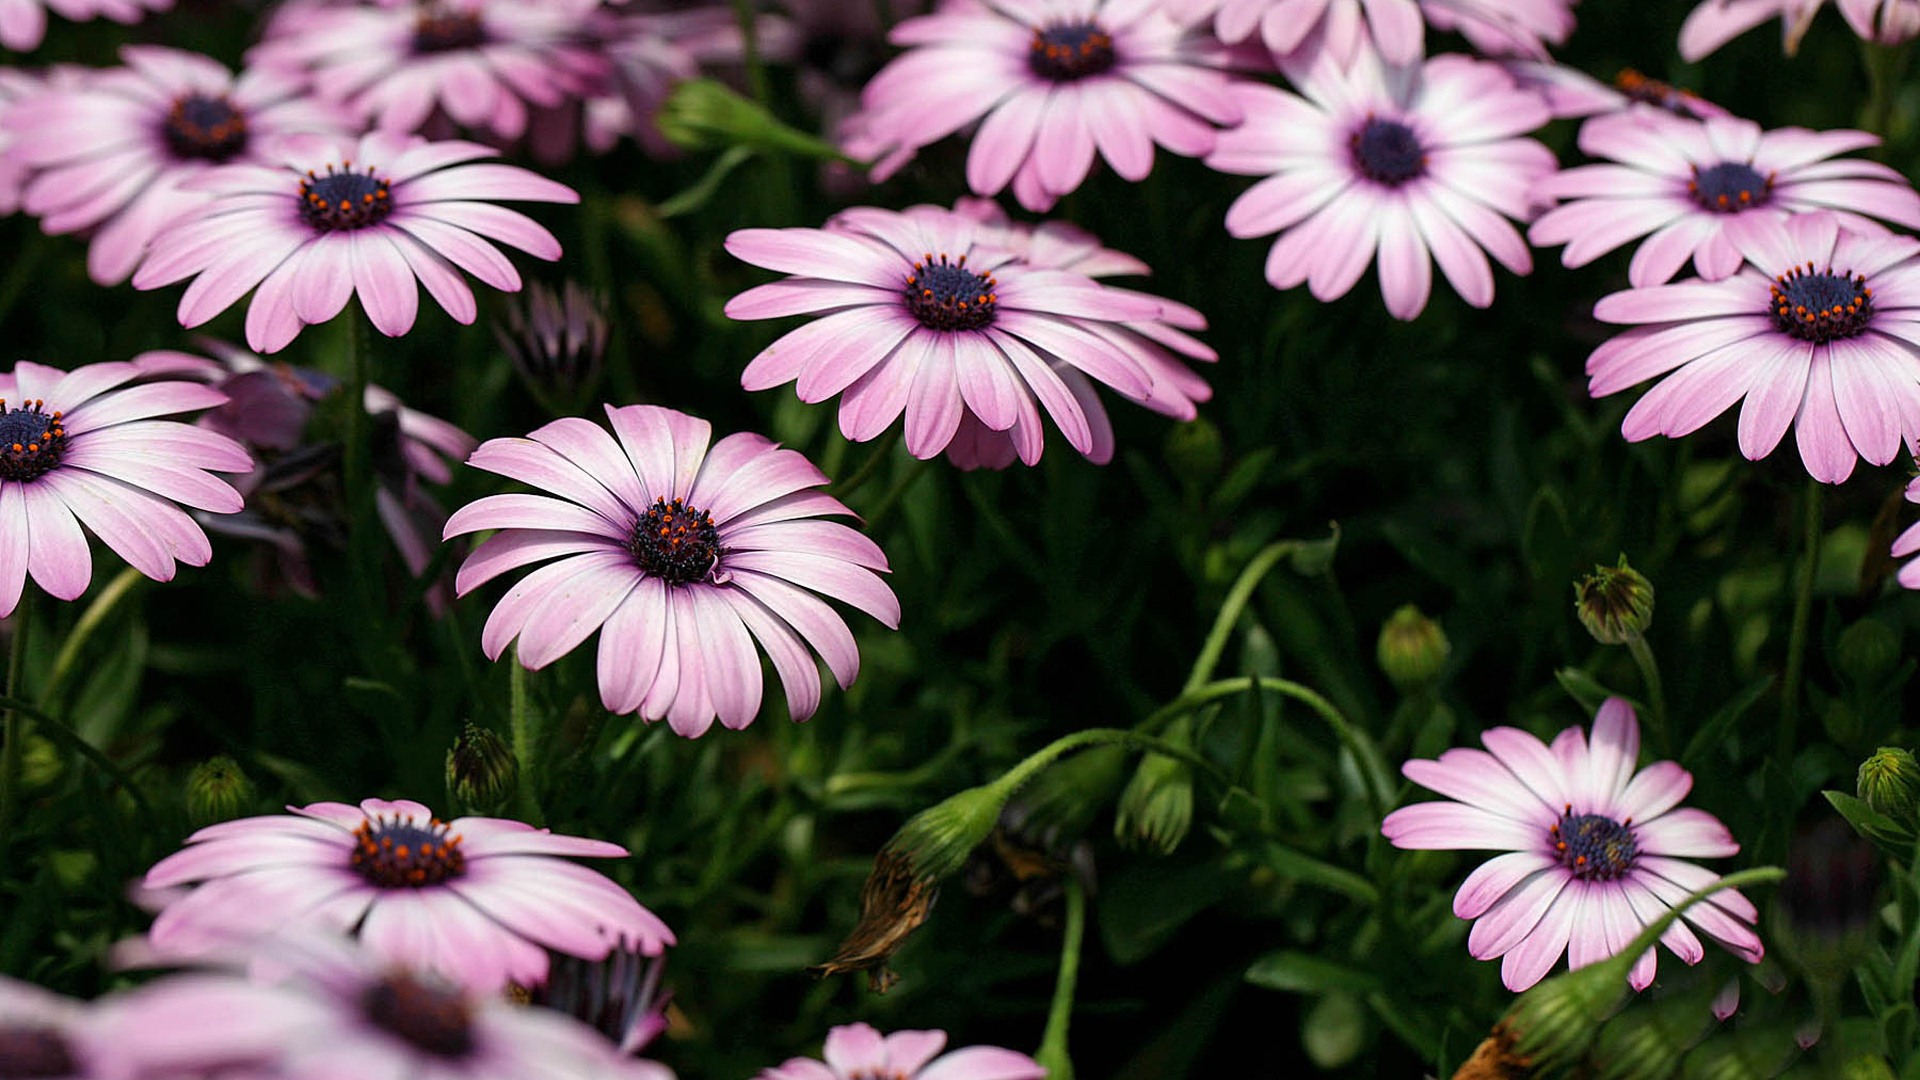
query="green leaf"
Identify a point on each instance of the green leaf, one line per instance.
(1304, 973)
(1715, 729)
(1889, 835)
(1584, 688)
(1141, 909)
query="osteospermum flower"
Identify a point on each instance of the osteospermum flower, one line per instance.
(111, 155)
(855, 1051)
(1051, 82)
(1716, 22)
(1572, 93)
(682, 555)
(1908, 542)
(23, 23)
(1595, 849)
(337, 219)
(1414, 166)
(84, 448)
(477, 900)
(1821, 332)
(1504, 27)
(1285, 26)
(922, 317)
(1691, 187)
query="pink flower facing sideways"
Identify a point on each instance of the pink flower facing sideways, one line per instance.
(475, 900)
(1051, 82)
(1410, 163)
(1690, 187)
(1908, 542)
(682, 554)
(1716, 22)
(86, 448)
(1820, 332)
(1595, 849)
(858, 1052)
(334, 219)
(23, 23)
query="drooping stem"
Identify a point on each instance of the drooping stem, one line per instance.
(1802, 617)
(90, 621)
(1236, 602)
(1053, 1044)
(14, 729)
(526, 740)
(1656, 696)
(750, 50)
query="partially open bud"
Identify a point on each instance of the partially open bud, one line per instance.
(482, 773)
(1412, 648)
(1889, 781)
(1156, 809)
(556, 341)
(1614, 603)
(217, 791)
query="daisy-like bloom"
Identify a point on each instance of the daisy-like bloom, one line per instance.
(857, 1051)
(1716, 22)
(1691, 187)
(1573, 94)
(483, 64)
(1821, 332)
(1410, 163)
(1595, 849)
(84, 448)
(477, 900)
(620, 996)
(43, 1034)
(23, 23)
(1908, 542)
(922, 316)
(335, 219)
(1051, 82)
(112, 155)
(682, 555)
(1504, 27)
(1285, 26)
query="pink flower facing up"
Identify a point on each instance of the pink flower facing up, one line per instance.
(1822, 332)
(682, 555)
(112, 155)
(23, 23)
(1051, 82)
(1691, 187)
(858, 1052)
(923, 316)
(1716, 22)
(335, 219)
(1908, 542)
(474, 899)
(1410, 163)
(1595, 849)
(84, 448)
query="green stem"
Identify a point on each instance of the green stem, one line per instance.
(750, 51)
(356, 436)
(526, 740)
(1229, 615)
(90, 621)
(1802, 616)
(14, 730)
(1657, 698)
(882, 450)
(896, 492)
(1053, 1044)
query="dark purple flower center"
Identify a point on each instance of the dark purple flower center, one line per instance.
(433, 1019)
(1593, 846)
(1729, 187)
(31, 439)
(400, 853)
(1819, 306)
(344, 200)
(1387, 152)
(947, 296)
(1068, 51)
(435, 29)
(33, 1053)
(209, 128)
(675, 542)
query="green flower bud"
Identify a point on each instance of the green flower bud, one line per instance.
(1194, 451)
(936, 841)
(41, 763)
(482, 773)
(217, 791)
(1156, 810)
(701, 114)
(1866, 1067)
(1412, 648)
(1067, 796)
(1614, 603)
(1867, 651)
(1889, 781)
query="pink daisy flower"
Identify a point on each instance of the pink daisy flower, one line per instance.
(1051, 82)
(1412, 164)
(476, 900)
(112, 155)
(1504, 27)
(682, 555)
(1340, 26)
(1822, 332)
(483, 64)
(337, 219)
(1595, 849)
(23, 23)
(1716, 22)
(857, 1051)
(1573, 94)
(1691, 187)
(1908, 542)
(923, 316)
(84, 448)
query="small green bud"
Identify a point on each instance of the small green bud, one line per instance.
(1889, 781)
(1867, 651)
(1412, 648)
(1556, 1020)
(1068, 795)
(217, 791)
(1614, 603)
(1194, 451)
(1842, 722)
(701, 114)
(41, 763)
(1866, 1067)
(1156, 810)
(482, 773)
(936, 841)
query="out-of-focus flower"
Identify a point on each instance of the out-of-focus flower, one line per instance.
(23, 23)
(1572, 93)
(43, 1034)
(1821, 333)
(1341, 27)
(682, 555)
(1716, 22)
(1418, 167)
(619, 995)
(1504, 27)
(477, 900)
(1027, 862)
(113, 156)
(85, 448)
(1595, 849)
(1614, 603)
(1051, 83)
(1830, 900)
(1692, 188)
(337, 219)
(556, 339)
(1412, 648)
(857, 1051)
(1908, 543)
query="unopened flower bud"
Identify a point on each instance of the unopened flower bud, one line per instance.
(556, 341)
(1156, 810)
(41, 763)
(1615, 603)
(217, 791)
(936, 841)
(482, 773)
(1867, 651)
(1194, 451)
(1889, 781)
(701, 114)
(1412, 648)
(1866, 1067)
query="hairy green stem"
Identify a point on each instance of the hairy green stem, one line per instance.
(14, 730)
(96, 614)
(1656, 696)
(1236, 602)
(750, 51)
(1802, 617)
(1053, 1044)
(526, 740)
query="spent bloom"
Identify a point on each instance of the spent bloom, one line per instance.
(1820, 332)
(682, 554)
(857, 1051)
(1691, 187)
(1595, 849)
(23, 23)
(86, 448)
(1416, 166)
(113, 155)
(334, 219)
(477, 900)
(1051, 82)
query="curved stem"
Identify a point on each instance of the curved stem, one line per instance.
(1657, 698)
(882, 450)
(14, 730)
(90, 621)
(1802, 616)
(1230, 610)
(1053, 1044)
